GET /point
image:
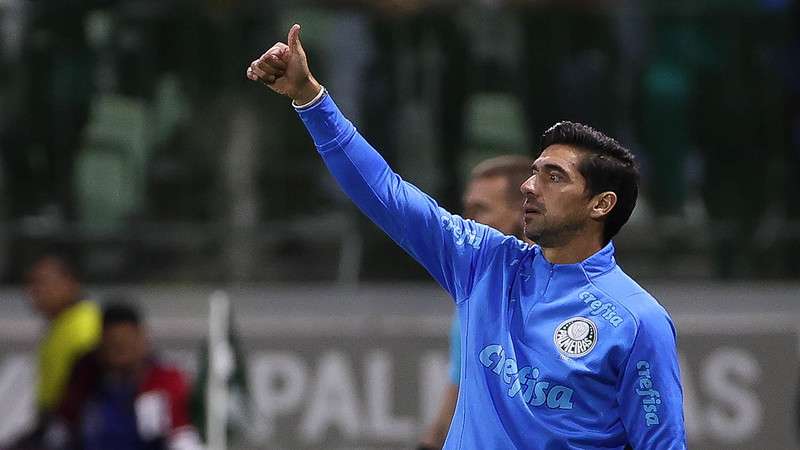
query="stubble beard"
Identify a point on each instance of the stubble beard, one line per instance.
(554, 235)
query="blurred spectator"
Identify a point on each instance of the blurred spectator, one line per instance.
(569, 60)
(667, 89)
(707, 67)
(792, 168)
(121, 397)
(739, 109)
(213, 165)
(493, 198)
(11, 76)
(44, 136)
(711, 74)
(73, 329)
(417, 76)
(404, 33)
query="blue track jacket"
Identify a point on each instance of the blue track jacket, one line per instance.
(553, 356)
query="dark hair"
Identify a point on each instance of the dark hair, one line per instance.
(119, 311)
(514, 168)
(606, 166)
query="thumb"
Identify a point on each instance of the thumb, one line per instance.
(295, 46)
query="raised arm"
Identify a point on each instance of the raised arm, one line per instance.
(452, 249)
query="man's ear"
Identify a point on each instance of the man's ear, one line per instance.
(602, 204)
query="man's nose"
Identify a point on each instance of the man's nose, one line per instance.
(528, 186)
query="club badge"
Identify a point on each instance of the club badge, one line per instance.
(575, 337)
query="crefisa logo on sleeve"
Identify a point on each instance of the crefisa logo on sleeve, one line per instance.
(597, 308)
(650, 396)
(575, 337)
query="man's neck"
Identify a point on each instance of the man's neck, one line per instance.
(576, 250)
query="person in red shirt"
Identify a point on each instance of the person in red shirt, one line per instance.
(121, 396)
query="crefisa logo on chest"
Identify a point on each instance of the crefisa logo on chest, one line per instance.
(575, 337)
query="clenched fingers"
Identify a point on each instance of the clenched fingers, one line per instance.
(271, 65)
(274, 61)
(264, 70)
(279, 50)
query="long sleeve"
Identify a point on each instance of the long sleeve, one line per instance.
(452, 249)
(650, 393)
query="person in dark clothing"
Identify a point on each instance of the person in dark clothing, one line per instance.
(121, 396)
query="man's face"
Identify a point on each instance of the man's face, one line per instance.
(556, 206)
(124, 347)
(50, 287)
(486, 201)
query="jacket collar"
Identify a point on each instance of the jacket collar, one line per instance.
(595, 265)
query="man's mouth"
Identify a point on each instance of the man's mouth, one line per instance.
(531, 210)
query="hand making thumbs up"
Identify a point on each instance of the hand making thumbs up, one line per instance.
(284, 69)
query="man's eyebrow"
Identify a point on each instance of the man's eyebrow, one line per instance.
(550, 167)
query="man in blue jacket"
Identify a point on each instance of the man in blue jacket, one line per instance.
(560, 349)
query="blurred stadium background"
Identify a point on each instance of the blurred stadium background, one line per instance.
(129, 134)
